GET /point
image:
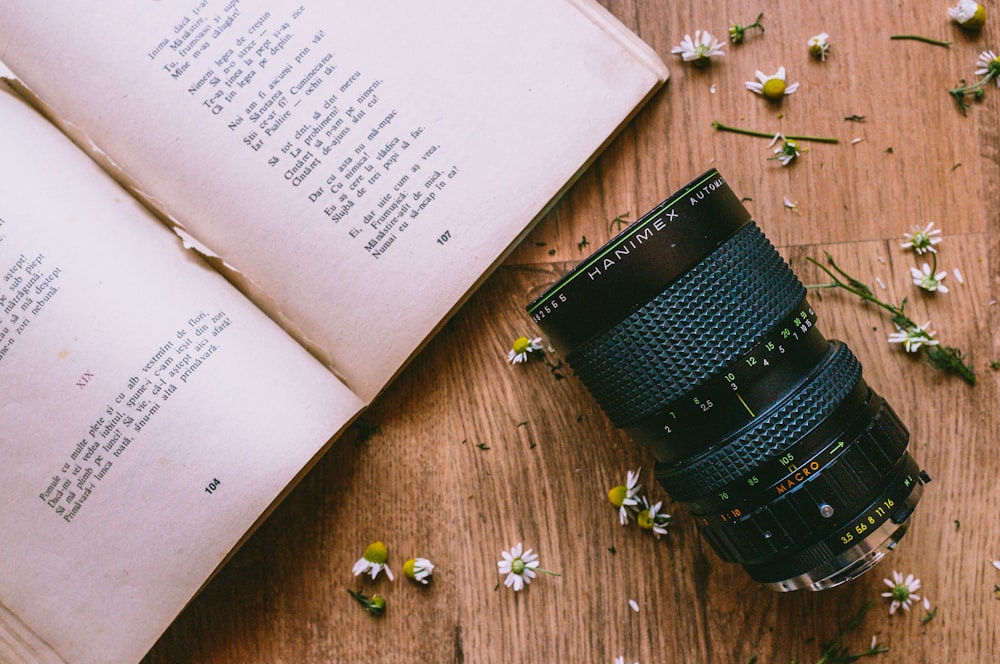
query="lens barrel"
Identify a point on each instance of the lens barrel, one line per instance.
(695, 337)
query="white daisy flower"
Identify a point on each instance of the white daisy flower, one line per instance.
(521, 347)
(650, 518)
(374, 560)
(418, 569)
(922, 240)
(772, 87)
(902, 591)
(913, 339)
(787, 151)
(927, 280)
(988, 63)
(700, 50)
(519, 566)
(625, 496)
(968, 14)
(819, 45)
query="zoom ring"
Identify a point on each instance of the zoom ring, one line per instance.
(770, 434)
(696, 327)
(844, 486)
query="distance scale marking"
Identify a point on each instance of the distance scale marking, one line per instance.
(796, 464)
(729, 399)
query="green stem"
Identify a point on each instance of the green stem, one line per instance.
(760, 134)
(855, 621)
(866, 295)
(926, 40)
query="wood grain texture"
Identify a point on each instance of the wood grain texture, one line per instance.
(424, 483)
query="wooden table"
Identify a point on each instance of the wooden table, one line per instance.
(466, 455)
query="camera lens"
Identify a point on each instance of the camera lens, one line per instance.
(696, 338)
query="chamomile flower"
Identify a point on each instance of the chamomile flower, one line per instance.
(787, 151)
(922, 239)
(418, 569)
(912, 339)
(651, 518)
(521, 347)
(625, 496)
(901, 591)
(374, 560)
(737, 32)
(772, 87)
(969, 14)
(700, 50)
(928, 280)
(520, 566)
(988, 63)
(819, 46)
(374, 605)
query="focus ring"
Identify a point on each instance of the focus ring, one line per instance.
(768, 435)
(699, 325)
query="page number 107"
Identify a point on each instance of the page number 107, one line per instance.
(444, 237)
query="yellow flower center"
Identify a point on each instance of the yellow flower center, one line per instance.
(644, 520)
(521, 344)
(376, 553)
(617, 495)
(774, 88)
(977, 20)
(409, 568)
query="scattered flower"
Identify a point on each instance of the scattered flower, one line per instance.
(958, 276)
(712, 90)
(787, 151)
(374, 605)
(969, 14)
(373, 561)
(945, 358)
(855, 141)
(738, 32)
(621, 660)
(922, 240)
(634, 604)
(902, 591)
(913, 338)
(771, 87)
(928, 280)
(625, 496)
(996, 563)
(700, 50)
(881, 284)
(988, 66)
(520, 567)
(819, 46)
(418, 569)
(650, 518)
(791, 205)
(521, 347)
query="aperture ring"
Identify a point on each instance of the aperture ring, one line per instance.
(770, 434)
(695, 328)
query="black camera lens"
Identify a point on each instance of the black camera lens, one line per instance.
(696, 338)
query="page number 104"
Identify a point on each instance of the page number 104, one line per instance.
(212, 486)
(444, 237)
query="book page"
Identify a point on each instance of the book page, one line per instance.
(149, 413)
(360, 165)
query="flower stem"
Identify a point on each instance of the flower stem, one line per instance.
(926, 40)
(749, 132)
(854, 622)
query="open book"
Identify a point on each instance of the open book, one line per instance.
(266, 209)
